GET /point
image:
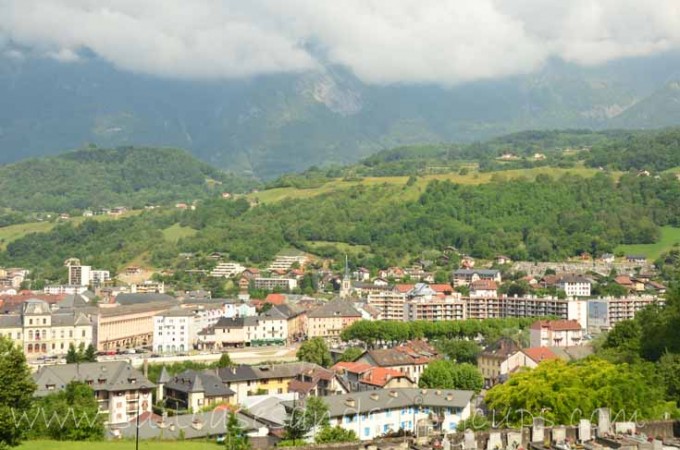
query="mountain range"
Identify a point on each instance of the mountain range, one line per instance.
(271, 125)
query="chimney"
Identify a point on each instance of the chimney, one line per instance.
(375, 397)
(394, 394)
(350, 402)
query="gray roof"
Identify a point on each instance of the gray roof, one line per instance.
(135, 299)
(187, 426)
(488, 272)
(10, 321)
(105, 376)
(287, 310)
(177, 312)
(335, 308)
(380, 399)
(164, 377)
(70, 319)
(268, 409)
(191, 381)
(35, 306)
(136, 308)
(574, 279)
(263, 372)
(74, 301)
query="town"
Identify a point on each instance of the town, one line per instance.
(108, 333)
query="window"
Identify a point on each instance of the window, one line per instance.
(367, 431)
(30, 321)
(44, 321)
(83, 333)
(388, 413)
(70, 333)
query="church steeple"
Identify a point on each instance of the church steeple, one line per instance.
(346, 285)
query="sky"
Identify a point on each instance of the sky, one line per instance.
(443, 42)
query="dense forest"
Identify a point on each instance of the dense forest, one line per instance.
(546, 219)
(97, 178)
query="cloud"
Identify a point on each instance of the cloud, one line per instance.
(381, 41)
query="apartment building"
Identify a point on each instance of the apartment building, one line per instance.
(130, 325)
(435, 309)
(286, 262)
(330, 319)
(464, 277)
(286, 284)
(604, 313)
(173, 331)
(227, 270)
(390, 304)
(556, 333)
(575, 286)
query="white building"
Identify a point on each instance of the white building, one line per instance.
(100, 277)
(173, 331)
(287, 284)
(575, 286)
(556, 333)
(372, 414)
(79, 275)
(67, 289)
(285, 262)
(227, 270)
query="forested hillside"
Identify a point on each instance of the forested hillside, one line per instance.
(96, 178)
(546, 219)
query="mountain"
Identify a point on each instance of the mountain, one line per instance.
(92, 178)
(660, 109)
(271, 125)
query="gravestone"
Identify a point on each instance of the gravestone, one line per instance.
(514, 440)
(603, 423)
(584, 430)
(495, 441)
(538, 430)
(469, 441)
(559, 434)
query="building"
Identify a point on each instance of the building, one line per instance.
(122, 391)
(604, 313)
(148, 287)
(286, 284)
(41, 330)
(173, 331)
(390, 304)
(328, 320)
(228, 332)
(130, 325)
(64, 289)
(265, 379)
(193, 390)
(556, 333)
(364, 377)
(410, 358)
(227, 270)
(464, 277)
(483, 289)
(435, 309)
(372, 414)
(79, 275)
(268, 328)
(286, 262)
(498, 360)
(575, 286)
(100, 277)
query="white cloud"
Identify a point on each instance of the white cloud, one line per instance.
(381, 41)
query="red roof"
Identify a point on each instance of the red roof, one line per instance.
(557, 325)
(403, 288)
(380, 376)
(441, 288)
(539, 354)
(483, 285)
(275, 299)
(352, 367)
(623, 280)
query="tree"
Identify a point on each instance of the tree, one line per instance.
(351, 354)
(16, 393)
(315, 351)
(309, 416)
(71, 354)
(447, 375)
(90, 354)
(236, 438)
(225, 361)
(330, 434)
(461, 350)
(669, 370)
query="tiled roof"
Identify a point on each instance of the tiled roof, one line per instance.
(539, 354)
(352, 367)
(483, 285)
(335, 308)
(380, 376)
(557, 325)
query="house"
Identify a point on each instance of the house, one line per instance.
(532, 357)
(575, 286)
(267, 328)
(265, 379)
(228, 332)
(318, 382)
(464, 277)
(502, 259)
(363, 377)
(122, 392)
(607, 258)
(557, 333)
(498, 360)
(483, 289)
(411, 358)
(193, 390)
(329, 320)
(637, 259)
(375, 413)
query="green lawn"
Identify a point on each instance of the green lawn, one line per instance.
(177, 232)
(14, 232)
(670, 236)
(120, 445)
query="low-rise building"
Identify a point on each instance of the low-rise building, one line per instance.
(575, 286)
(328, 320)
(193, 390)
(287, 284)
(372, 414)
(359, 376)
(411, 358)
(483, 289)
(464, 277)
(556, 333)
(498, 360)
(173, 331)
(122, 392)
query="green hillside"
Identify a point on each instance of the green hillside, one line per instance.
(97, 178)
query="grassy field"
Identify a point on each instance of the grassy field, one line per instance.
(412, 192)
(341, 246)
(177, 232)
(14, 232)
(120, 445)
(670, 236)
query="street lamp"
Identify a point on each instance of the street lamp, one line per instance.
(138, 414)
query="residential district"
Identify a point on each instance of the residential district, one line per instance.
(135, 325)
